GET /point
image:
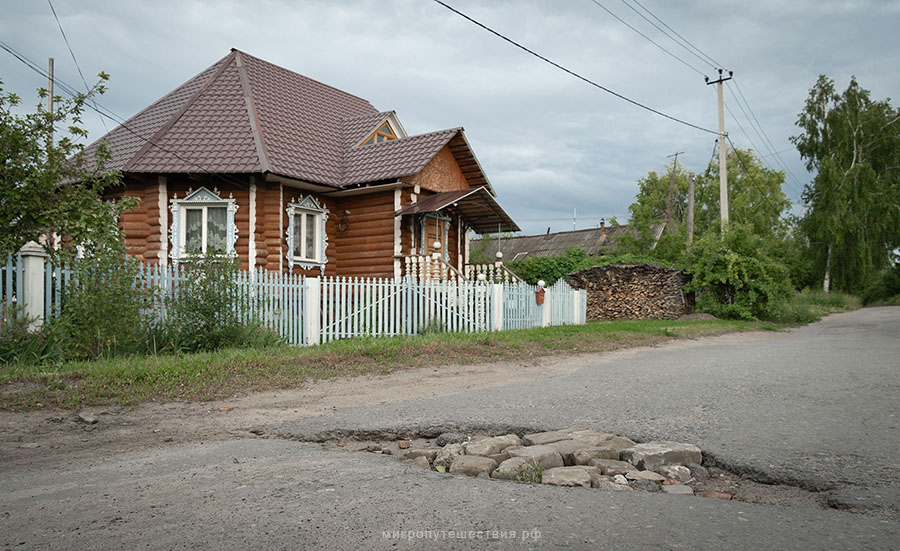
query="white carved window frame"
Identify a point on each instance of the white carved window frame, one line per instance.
(298, 215)
(202, 199)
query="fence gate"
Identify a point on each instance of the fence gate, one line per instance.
(387, 307)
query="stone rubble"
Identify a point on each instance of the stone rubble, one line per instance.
(575, 457)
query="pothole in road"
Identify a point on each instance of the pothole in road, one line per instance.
(573, 457)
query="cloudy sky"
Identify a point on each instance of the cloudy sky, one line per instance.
(550, 143)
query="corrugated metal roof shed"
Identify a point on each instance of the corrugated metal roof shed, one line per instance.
(594, 241)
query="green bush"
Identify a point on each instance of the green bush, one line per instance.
(886, 289)
(808, 306)
(19, 344)
(553, 268)
(206, 311)
(102, 311)
(734, 277)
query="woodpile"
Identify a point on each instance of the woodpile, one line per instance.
(633, 291)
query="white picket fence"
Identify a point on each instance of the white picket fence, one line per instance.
(307, 311)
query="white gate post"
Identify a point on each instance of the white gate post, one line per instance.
(312, 288)
(498, 306)
(32, 293)
(545, 309)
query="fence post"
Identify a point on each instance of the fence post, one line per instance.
(32, 292)
(312, 288)
(546, 313)
(498, 306)
(576, 307)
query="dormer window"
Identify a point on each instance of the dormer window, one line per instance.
(383, 134)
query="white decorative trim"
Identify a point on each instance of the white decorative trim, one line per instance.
(162, 198)
(308, 205)
(398, 247)
(459, 249)
(280, 226)
(204, 198)
(251, 247)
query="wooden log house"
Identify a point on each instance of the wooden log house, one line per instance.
(251, 160)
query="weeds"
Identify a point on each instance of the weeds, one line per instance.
(532, 473)
(225, 372)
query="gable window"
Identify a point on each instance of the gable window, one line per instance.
(383, 134)
(202, 224)
(306, 239)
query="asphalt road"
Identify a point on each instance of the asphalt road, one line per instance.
(816, 407)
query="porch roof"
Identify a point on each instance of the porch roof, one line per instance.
(477, 207)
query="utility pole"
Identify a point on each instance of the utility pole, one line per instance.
(50, 99)
(670, 217)
(690, 212)
(723, 172)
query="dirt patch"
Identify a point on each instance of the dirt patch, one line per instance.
(698, 317)
(56, 436)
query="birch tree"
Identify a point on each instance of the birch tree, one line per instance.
(852, 219)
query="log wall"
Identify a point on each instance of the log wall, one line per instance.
(633, 291)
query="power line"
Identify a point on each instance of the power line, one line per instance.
(751, 118)
(749, 139)
(763, 130)
(708, 60)
(77, 66)
(622, 21)
(780, 151)
(573, 73)
(747, 170)
(103, 111)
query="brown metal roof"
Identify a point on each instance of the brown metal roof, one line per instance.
(245, 115)
(477, 208)
(593, 241)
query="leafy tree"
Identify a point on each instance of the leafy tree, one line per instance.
(735, 277)
(853, 203)
(46, 185)
(754, 196)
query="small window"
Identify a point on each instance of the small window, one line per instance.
(202, 224)
(383, 134)
(306, 237)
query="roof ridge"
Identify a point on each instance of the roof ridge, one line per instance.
(306, 77)
(255, 126)
(374, 113)
(434, 132)
(151, 142)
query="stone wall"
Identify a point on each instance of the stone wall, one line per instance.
(633, 291)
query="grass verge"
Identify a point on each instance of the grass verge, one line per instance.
(209, 376)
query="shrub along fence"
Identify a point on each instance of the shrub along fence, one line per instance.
(307, 311)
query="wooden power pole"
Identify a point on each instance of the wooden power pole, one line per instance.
(50, 99)
(690, 212)
(723, 172)
(670, 216)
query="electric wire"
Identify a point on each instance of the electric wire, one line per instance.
(77, 65)
(763, 130)
(708, 60)
(622, 21)
(749, 139)
(105, 112)
(751, 118)
(747, 170)
(572, 73)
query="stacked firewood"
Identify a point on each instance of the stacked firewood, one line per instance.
(633, 291)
